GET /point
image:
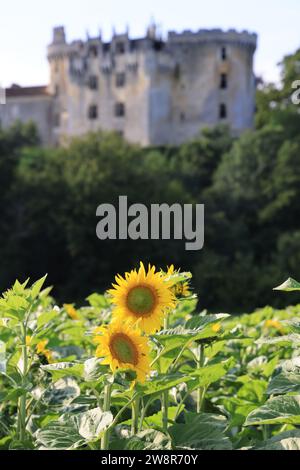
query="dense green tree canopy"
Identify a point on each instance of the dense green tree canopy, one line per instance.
(250, 187)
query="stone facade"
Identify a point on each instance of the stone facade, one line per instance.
(29, 104)
(152, 91)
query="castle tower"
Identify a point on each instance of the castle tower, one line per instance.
(200, 80)
(58, 57)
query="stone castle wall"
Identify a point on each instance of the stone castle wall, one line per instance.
(153, 92)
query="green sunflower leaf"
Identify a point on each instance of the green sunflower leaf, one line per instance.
(289, 440)
(289, 285)
(200, 328)
(202, 431)
(211, 373)
(73, 431)
(149, 439)
(163, 382)
(64, 369)
(278, 410)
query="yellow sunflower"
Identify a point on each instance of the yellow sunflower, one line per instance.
(42, 350)
(123, 347)
(274, 324)
(71, 311)
(182, 288)
(216, 327)
(143, 296)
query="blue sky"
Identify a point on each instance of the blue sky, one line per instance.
(26, 25)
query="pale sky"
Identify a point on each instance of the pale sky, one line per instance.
(26, 27)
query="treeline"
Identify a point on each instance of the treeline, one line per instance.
(250, 187)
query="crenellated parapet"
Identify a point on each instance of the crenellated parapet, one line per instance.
(214, 36)
(121, 43)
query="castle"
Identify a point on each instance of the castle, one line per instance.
(151, 91)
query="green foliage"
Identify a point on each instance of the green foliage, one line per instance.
(289, 440)
(73, 431)
(227, 381)
(202, 431)
(289, 285)
(278, 410)
(16, 302)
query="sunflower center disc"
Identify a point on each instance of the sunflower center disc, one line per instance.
(123, 349)
(141, 300)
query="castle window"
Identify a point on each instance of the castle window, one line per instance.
(223, 81)
(56, 90)
(93, 112)
(223, 53)
(120, 48)
(182, 117)
(158, 45)
(120, 80)
(133, 45)
(93, 82)
(223, 111)
(119, 109)
(93, 51)
(106, 47)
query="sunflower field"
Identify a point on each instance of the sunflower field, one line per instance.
(140, 367)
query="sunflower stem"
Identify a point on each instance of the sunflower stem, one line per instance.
(164, 408)
(200, 390)
(114, 422)
(135, 415)
(106, 407)
(158, 356)
(180, 406)
(22, 399)
(143, 414)
(165, 394)
(265, 431)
